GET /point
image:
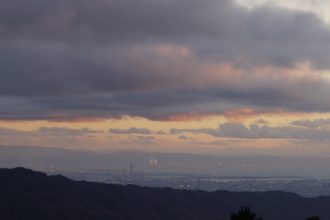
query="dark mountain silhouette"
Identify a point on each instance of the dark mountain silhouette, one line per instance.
(25, 195)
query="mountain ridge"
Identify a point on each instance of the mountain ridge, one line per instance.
(26, 194)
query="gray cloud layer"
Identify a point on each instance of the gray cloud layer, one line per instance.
(64, 59)
(312, 123)
(50, 131)
(130, 131)
(254, 131)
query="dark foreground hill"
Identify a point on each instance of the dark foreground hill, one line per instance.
(26, 195)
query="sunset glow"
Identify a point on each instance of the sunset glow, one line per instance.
(234, 77)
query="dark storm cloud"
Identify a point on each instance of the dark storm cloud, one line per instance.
(162, 104)
(268, 35)
(64, 59)
(105, 20)
(57, 70)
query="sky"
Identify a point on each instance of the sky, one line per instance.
(211, 76)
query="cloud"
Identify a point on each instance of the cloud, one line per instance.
(60, 131)
(209, 131)
(262, 122)
(226, 143)
(130, 131)
(50, 131)
(10, 132)
(312, 123)
(67, 60)
(265, 34)
(144, 140)
(184, 137)
(254, 131)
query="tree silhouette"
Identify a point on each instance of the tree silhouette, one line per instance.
(313, 218)
(245, 214)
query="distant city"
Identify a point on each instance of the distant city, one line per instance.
(309, 187)
(305, 176)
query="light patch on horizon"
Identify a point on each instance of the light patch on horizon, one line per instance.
(159, 137)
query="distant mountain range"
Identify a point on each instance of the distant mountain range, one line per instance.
(29, 195)
(44, 159)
